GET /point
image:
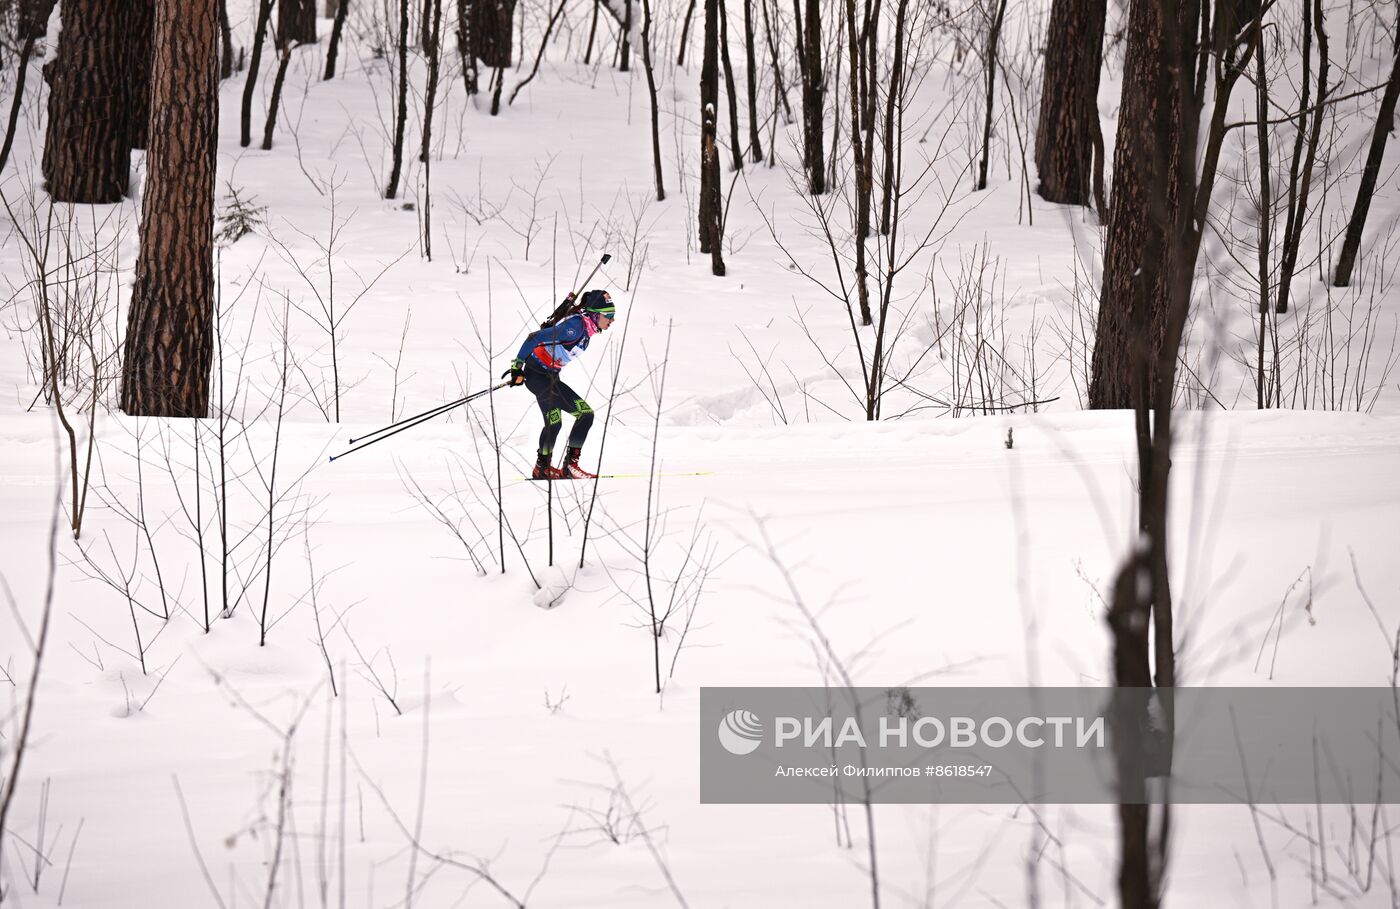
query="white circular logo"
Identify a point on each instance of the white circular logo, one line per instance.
(740, 732)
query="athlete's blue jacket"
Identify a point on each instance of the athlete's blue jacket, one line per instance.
(554, 347)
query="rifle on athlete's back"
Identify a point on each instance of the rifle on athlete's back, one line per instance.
(569, 304)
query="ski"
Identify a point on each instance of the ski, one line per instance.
(627, 476)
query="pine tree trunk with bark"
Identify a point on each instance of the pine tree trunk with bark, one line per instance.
(1127, 339)
(169, 336)
(87, 147)
(1069, 112)
(751, 71)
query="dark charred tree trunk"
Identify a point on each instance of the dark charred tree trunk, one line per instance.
(296, 22)
(651, 94)
(225, 42)
(1385, 122)
(169, 336)
(391, 191)
(245, 117)
(492, 31)
(711, 198)
(1069, 111)
(87, 148)
(735, 143)
(812, 103)
(333, 51)
(685, 32)
(142, 30)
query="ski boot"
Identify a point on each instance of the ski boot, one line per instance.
(571, 469)
(544, 470)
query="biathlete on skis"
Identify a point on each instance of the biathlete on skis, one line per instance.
(536, 366)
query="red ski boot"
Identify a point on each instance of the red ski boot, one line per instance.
(571, 469)
(544, 470)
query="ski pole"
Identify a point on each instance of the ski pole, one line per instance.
(431, 412)
(563, 307)
(410, 422)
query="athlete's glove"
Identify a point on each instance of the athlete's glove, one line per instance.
(516, 373)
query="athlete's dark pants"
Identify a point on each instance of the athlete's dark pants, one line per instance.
(556, 399)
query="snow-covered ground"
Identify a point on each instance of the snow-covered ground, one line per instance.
(410, 691)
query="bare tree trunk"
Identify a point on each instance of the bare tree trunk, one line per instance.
(87, 148)
(430, 99)
(1300, 183)
(275, 101)
(17, 100)
(141, 30)
(711, 201)
(892, 103)
(625, 47)
(466, 43)
(751, 72)
(296, 22)
(333, 51)
(33, 21)
(245, 121)
(989, 58)
(493, 35)
(778, 88)
(736, 149)
(811, 60)
(593, 32)
(1265, 215)
(861, 164)
(434, 66)
(225, 43)
(685, 33)
(1385, 122)
(651, 95)
(391, 191)
(170, 324)
(1069, 111)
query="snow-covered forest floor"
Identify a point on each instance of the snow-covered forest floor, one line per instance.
(364, 659)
